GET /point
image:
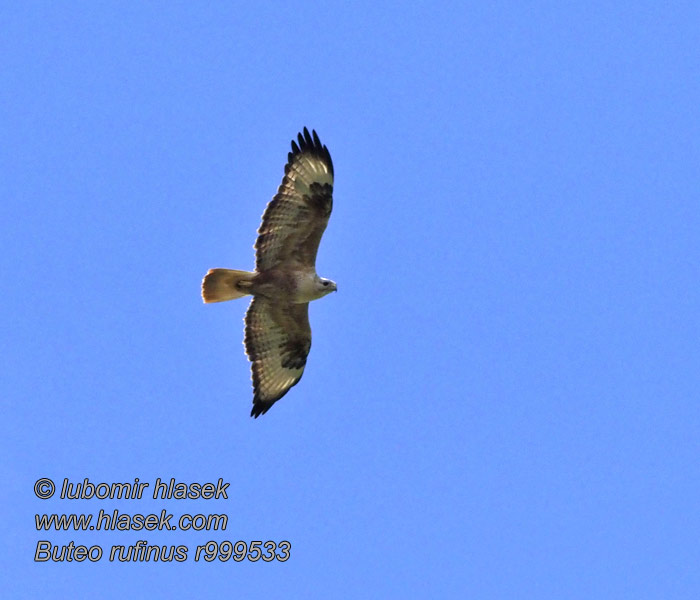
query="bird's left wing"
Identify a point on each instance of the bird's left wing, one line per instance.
(295, 219)
(277, 342)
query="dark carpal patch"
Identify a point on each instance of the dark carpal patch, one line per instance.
(321, 198)
(295, 353)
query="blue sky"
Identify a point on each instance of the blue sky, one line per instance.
(502, 399)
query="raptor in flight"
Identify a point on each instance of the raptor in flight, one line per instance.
(277, 331)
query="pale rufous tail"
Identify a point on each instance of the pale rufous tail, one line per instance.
(219, 285)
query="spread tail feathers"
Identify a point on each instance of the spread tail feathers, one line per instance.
(219, 285)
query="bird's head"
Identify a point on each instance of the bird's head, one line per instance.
(325, 286)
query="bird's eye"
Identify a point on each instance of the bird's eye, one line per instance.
(325, 283)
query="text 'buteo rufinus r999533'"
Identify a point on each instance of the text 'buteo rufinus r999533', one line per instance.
(277, 332)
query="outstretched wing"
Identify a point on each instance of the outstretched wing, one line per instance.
(295, 219)
(277, 342)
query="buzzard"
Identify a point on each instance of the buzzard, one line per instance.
(277, 332)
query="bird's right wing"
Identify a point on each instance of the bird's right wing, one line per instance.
(295, 219)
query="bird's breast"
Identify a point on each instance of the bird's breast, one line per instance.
(305, 287)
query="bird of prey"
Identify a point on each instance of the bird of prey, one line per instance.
(277, 332)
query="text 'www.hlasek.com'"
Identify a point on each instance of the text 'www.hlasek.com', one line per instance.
(140, 550)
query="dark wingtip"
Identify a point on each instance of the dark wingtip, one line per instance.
(307, 142)
(308, 139)
(259, 407)
(310, 142)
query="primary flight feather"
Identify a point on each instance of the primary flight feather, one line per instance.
(277, 331)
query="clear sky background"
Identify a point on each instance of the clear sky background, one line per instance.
(501, 400)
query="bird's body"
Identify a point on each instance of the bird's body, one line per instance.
(296, 287)
(277, 331)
